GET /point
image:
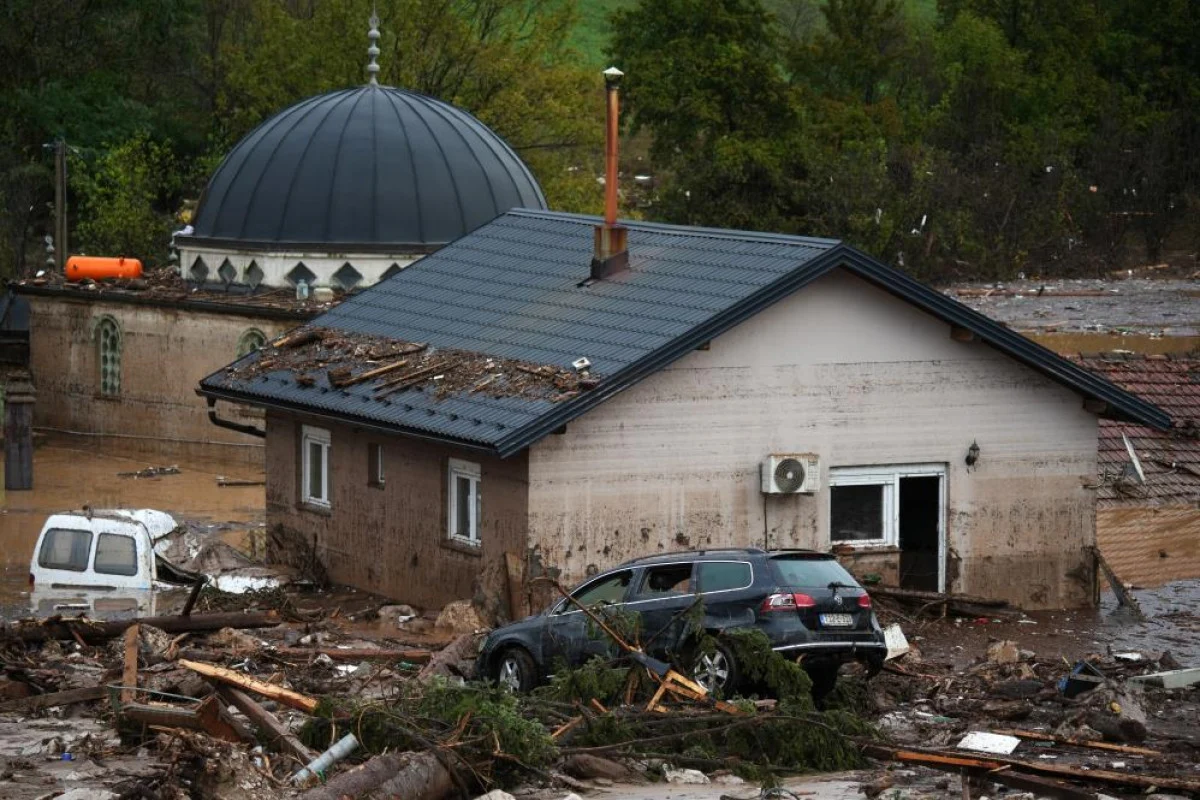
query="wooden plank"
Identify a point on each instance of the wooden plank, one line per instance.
(53, 699)
(1047, 737)
(130, 675)
(1124, 596)
(215, 721)
(375, 373)
(162, 715)
(516, 585)
(357, 654)
(1138, 780)
(276, 733)
(286, 696)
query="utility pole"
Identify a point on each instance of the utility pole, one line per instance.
(60, 203)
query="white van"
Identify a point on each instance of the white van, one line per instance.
(101, 562)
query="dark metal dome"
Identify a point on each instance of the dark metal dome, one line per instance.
(375, 167)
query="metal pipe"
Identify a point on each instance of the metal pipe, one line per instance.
(233, 426)
(612, 82)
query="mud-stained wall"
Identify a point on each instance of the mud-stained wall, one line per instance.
(164, 354)
(1150, 546)
(844, 370)
(393, 540)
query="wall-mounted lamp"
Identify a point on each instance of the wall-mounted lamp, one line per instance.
(972, 454)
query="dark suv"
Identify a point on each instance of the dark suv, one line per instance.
(804, 601)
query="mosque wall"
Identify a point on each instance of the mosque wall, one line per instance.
(345, 271)
(107, 369)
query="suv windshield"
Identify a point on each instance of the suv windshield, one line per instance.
(809, 573)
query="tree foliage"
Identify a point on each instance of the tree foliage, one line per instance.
(983, 138)
(1004, 135)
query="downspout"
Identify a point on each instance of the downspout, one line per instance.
(233, 426)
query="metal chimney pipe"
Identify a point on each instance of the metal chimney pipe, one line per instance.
(610, 255)
(612, 82)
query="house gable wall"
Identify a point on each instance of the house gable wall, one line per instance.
(847, 371)
(392, 540)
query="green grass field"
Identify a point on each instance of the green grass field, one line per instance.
(591, 34)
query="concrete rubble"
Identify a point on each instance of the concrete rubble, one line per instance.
(233, 713)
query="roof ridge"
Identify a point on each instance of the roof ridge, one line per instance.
(730, 234)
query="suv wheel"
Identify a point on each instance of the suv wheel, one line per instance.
(716, 671)
(514, 670)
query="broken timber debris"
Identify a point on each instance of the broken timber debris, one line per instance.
(323, 355)
(296, 700)
(1124, 596)
(994, 764)
(275, 732)
(93, 632)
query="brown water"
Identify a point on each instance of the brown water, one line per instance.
(1075, 342)
(69, 474)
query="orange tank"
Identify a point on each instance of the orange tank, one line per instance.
(97, 267)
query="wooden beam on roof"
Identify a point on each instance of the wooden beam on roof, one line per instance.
(960, 334)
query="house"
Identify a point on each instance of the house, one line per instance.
(575, 394)
(1148, 499)
(326, 197)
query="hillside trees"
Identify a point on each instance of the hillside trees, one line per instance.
(1008, 135)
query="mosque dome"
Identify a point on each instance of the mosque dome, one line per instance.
(371, 169)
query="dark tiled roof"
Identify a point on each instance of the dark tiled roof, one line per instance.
(1170, 458)
(512, 289)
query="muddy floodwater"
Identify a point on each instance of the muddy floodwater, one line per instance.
(69, 474)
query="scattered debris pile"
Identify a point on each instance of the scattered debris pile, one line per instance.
(1045, 726)
(167, 285)
(245, 705)
(340, 360)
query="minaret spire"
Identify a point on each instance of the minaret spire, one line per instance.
(373, 50)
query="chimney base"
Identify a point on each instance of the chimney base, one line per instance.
(611, 251)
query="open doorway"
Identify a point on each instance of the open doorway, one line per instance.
(920, 532)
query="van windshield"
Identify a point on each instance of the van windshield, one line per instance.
(812, 573)
(116, 555)
(65, 549)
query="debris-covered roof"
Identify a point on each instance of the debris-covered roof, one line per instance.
(1170, 458)
(515, 289)
(166, 287)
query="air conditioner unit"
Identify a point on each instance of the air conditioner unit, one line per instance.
(796, 473)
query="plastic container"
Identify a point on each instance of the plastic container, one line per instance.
(99, 267)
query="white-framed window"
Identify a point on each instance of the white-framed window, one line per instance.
(864, 502)
(314, 468)
(463, 478)
(375, 469)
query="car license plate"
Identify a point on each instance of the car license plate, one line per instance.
(837, 620)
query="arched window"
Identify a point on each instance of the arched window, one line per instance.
(108, 356)
(253, 339)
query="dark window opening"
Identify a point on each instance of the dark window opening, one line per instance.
(856, 513)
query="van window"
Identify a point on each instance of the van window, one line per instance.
(116, 555)
(65, 549)
(721, 576)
